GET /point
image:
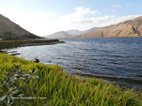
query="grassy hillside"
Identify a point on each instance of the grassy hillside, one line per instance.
(48, 85)
(10, 30)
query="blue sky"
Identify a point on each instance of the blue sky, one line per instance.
(43, 17)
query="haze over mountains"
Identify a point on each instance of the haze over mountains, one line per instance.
(10, 30)
(130, 28)
(69, 33)
(59, 35)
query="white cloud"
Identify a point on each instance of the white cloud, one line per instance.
(83, 12)
(116, 6)
(69, 21)
(110, 19)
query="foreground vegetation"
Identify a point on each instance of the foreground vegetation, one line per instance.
(48, 85)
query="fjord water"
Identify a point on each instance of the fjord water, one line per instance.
(118, 60)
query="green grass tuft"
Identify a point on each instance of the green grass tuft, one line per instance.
(61, 89)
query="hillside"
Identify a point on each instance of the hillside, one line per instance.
(59, 35)
(10, 30)
(130, 28)
(75, 32)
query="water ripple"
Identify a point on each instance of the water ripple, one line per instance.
(110, 58)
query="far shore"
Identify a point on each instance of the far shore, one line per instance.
(28, 42)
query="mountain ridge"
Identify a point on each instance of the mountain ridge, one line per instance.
(129, 28)
(69, 34)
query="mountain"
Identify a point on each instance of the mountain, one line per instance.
(59, 35)
(10, 30)
(130, 28)
(78, 32)
(69, 33)
(91, 30)
(75, 32)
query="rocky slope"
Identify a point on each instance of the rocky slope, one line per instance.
(130, 28)
(10, 30)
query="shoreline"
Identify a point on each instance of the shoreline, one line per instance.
(55, 83)
(61, 81)
(120, 81)
(29, 42)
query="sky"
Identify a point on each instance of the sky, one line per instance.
(44, 17)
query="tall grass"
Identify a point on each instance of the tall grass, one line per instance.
(57, 88)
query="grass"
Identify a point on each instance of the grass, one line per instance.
(57, 88)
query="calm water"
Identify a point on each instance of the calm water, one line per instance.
(118, 60)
